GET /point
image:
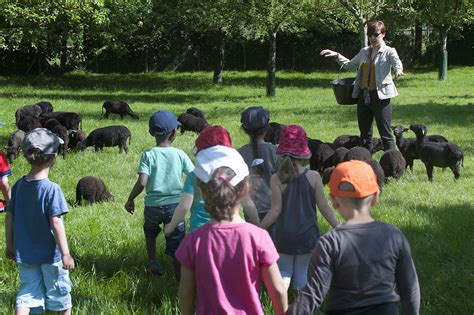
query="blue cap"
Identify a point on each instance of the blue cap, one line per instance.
(255, 117)
(162, 123)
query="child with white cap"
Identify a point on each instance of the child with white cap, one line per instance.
(35, 233)
(223, 261)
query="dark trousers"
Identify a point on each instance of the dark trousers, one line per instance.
(382, 112)
(379, 309)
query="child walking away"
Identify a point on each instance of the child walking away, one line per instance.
(35, 233)
(223, 261)
(160, 171)
(4, 184)
(260, 157)
(363, 266)
(295, 193)
(191, 197)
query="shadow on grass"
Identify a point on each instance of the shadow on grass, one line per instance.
(431, 112)
(443, 255)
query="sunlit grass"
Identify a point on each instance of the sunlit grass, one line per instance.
(108, 243)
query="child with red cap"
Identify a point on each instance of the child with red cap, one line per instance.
(363, 266)
(224, 261)
(296, 191)
(191, 197)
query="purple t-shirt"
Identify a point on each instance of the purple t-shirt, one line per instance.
(227, 260)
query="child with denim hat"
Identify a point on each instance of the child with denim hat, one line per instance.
(223, 261)
(296, 191)
(34, 229)
(363, 266)
(191, 197)
(260, 157)
(160, 172)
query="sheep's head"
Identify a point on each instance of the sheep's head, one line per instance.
(398, 130)
(419, 130)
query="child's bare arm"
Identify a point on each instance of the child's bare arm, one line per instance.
(180, 212)
(275, 209)
(276, 288)
(187, 291)
(136, 190)
(10, 250)
(59, 232)
(250, 210)
(321, 201)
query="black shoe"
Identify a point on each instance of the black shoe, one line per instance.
(155, 268)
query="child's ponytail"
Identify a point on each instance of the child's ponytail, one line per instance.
(220, 197)
(287, 169)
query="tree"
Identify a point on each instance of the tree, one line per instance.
(269, 17)
(446, 16)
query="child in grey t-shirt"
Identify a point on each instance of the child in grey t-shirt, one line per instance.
(363, 266)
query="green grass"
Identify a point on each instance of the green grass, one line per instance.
(108, 243)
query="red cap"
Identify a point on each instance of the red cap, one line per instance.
(294, 142)
(357, 173)
(211, 136)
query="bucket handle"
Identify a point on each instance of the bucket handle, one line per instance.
(339, 72)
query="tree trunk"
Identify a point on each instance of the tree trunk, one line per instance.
(146, 59)
(271, 65)
(219, 68)
(244, 53)
(293, 56)
(198, 57)
(443, 64)
(418, 42)
(363, 33)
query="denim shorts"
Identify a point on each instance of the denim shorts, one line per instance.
(154, 217)
(44, 286)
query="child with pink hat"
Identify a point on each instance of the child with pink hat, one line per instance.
(296, 191)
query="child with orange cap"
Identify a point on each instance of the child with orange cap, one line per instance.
(363, 266)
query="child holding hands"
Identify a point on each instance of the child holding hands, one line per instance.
(295, 193)
(223, 261)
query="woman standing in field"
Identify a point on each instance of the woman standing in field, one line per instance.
(373, 86)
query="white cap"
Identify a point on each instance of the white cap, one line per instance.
(210, 159)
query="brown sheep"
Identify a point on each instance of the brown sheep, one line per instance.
(92, 189)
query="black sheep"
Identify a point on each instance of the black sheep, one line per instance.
(70, 120)
(273, 132)
(29, 123)
(109, 137)
(191, 123)
(118, 107)
(393, 163)
(46, 107)
(439, 154)
(31, 111)
(51, 124)
(407, 146)
(319, 154)
(358, 153)
(195, 112)
(336, 158)
(378, 172)
(14, 144)
(77, 140)
(62, 133)
(91, 189)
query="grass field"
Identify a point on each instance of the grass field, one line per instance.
(108, 243)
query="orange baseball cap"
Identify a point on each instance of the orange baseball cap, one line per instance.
(357, 173)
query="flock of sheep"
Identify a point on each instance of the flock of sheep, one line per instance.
(432, 150)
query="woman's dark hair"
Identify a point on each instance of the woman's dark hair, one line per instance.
(375, 26)
(220, 197)
(36, 157)
(287, 169)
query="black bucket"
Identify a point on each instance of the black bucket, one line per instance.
(343, 91)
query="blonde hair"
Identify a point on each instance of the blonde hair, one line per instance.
(287, 169)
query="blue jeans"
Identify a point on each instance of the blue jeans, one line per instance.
(154, 217)
(296, 267)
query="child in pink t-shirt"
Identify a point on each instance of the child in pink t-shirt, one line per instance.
(223, 261)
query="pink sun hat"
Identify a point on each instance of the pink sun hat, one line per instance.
(294, 142)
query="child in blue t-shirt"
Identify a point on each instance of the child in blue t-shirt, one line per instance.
(159, 172)
(35, 233)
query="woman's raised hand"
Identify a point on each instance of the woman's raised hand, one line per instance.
(328, 53)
